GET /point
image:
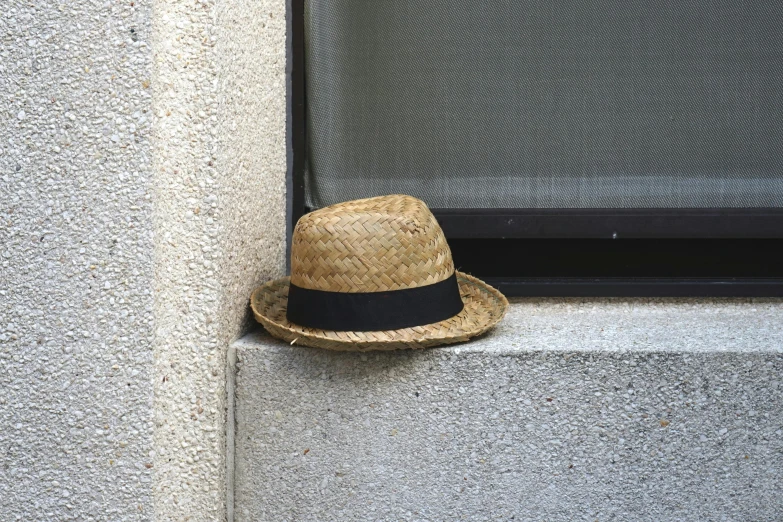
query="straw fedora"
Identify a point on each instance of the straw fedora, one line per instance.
(375, 274)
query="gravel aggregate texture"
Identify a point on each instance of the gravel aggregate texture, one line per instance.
(76, 420)
(570, 410)
(142, 198)
(219, 167)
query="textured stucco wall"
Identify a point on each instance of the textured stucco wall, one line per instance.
(76, 261)
(142, 186)
(572, 409)
(220, 207)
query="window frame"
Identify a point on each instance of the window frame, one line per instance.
(516, 225)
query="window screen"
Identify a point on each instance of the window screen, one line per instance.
(546, 104)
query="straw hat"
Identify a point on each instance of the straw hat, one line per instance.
(375, 274)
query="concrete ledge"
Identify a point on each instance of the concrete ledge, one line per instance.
(621, 410)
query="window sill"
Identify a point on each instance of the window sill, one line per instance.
(617, 325)
(634, 407)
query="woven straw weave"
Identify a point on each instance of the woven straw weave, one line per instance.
(370, 245)
(373, 245)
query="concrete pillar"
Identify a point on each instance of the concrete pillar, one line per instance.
(142, 196)
(219, 171)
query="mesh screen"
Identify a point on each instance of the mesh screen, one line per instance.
(546, 104)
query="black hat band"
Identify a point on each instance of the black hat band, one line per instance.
(374, 311)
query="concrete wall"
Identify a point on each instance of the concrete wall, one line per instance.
(142, 186)
(572, 409)
(76, 422)
(220, 211)
(142, 195)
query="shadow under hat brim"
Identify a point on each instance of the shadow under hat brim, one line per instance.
(484, 308)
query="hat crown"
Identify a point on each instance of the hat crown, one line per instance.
(370, 245)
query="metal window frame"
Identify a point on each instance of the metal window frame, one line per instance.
(519, 224)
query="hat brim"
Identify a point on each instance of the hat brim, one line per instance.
(484, 308)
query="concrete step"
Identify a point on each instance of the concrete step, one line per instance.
(571, 411)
